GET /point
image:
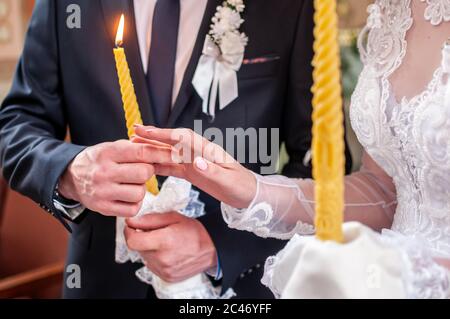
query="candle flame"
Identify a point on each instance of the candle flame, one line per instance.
(119, 34)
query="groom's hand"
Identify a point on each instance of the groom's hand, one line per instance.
(173, 246)
(110, 178)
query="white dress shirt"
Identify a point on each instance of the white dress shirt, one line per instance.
(191, 16)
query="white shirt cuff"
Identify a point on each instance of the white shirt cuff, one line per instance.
(71, 211)
(215, 272)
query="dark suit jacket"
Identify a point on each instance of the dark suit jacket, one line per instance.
(67, 78)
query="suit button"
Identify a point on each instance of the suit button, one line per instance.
(258, 266)
(250, 271)
(242, 276)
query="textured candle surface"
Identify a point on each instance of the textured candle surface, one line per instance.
(328, 125)
(130, 104)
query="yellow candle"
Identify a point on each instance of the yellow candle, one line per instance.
(129, 100)
(328, 124)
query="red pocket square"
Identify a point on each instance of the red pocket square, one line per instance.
(260, 60)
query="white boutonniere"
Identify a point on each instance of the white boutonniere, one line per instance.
(223, 53)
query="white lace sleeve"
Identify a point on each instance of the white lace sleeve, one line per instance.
(283, 207)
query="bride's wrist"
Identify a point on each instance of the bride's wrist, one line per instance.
(248, 190)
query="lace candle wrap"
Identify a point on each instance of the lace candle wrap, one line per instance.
(328, 127)
(175, 195)
(129, 100)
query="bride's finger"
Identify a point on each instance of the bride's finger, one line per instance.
(138, 139)
(183, 139)
(170, 154)
(205, 170)
(188, 144)
(214, 179)
(216, 154)
(167, 136)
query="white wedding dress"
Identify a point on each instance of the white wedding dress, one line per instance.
(404, 183)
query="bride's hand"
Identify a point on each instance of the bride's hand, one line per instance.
(203, 163)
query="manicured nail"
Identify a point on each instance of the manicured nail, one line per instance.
(201, 164)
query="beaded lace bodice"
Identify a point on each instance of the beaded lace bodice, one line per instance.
(408, 139)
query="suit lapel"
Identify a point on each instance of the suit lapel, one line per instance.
(187, 89)
(112, 9)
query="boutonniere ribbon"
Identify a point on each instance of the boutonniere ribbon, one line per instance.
(215, 78)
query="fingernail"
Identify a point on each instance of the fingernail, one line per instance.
(137, 125)
(150, 130)
(201, 164)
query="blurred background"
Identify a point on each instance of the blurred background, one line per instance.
(33, 244)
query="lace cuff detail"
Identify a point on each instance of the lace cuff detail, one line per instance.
(275, 211)
(257, 219)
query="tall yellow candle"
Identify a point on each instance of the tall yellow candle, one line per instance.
(129, 100)
(328, 124)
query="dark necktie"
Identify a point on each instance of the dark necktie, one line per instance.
(162, 56)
